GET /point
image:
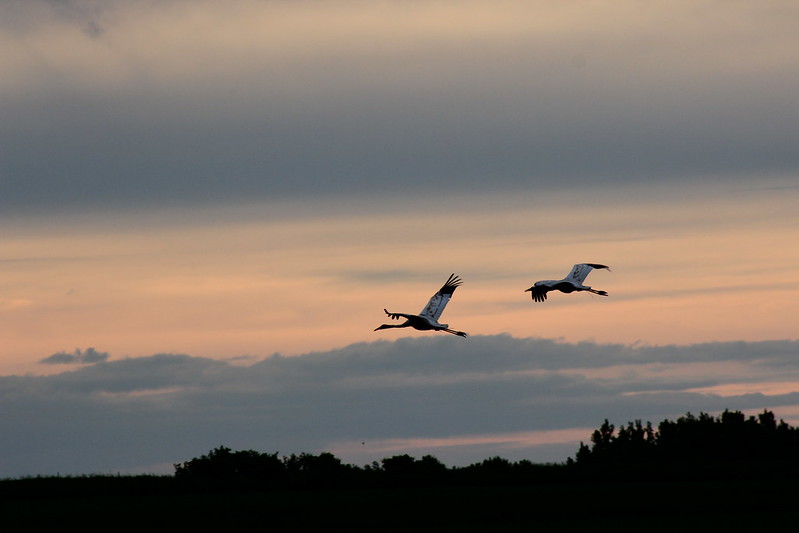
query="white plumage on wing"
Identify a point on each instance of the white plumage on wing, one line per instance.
(427, 319)
(571, 283)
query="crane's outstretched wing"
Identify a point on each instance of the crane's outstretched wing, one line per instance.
(439, 301)
(581, 270)
(539, 292)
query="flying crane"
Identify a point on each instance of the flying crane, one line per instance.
(571, 283)
(428, 319)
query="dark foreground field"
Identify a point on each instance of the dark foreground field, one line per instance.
(157, 504)
(705, 473)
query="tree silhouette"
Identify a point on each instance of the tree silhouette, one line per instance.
(317, 471)
(405, 470)
(731, 445)
(222, 464)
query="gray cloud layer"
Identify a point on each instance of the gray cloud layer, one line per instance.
(90, 355)
(504, 105)
(130, 413)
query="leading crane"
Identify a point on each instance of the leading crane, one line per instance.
(427, 320)
(571, 283)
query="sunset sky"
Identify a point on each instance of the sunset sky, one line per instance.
(205, 207)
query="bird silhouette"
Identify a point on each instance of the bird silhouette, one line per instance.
(571, 283)
(428, 319)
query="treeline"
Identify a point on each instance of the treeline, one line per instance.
(225, 468)
(730, 446)
(698, 472)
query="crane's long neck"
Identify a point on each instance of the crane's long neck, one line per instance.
(388, 326)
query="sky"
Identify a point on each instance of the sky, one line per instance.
(206, 206)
